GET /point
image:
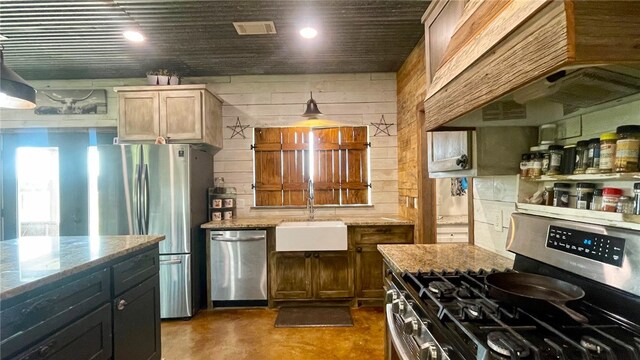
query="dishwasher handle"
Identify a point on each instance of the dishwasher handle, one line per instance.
(234, 239)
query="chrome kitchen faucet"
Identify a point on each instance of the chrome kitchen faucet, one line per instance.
(310, 198)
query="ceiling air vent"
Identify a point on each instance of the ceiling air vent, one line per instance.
(255, 27)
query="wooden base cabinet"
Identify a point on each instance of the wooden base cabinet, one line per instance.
(311, 275)
(369, 273)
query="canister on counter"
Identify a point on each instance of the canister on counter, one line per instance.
(228, 203)
(593, 160)
(561, 194)
(582, 154)
(607, 152)
(627, 148)
(610, 198)
(228, 215)
(555, 159)
(216, 215)
(217, 203)
(584, 195)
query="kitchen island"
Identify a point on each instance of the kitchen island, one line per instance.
(80, 297)
(441, 257)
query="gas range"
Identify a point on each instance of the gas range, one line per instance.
(454, 315)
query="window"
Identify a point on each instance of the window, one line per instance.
(336, 158)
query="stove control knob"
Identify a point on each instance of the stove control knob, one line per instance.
(398, 307)
(411, 327)
(429, 351)
(391, 296)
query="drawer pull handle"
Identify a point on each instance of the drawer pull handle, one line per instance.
(41, 352)
(359, 249)
(307, 255)
(121, 304)
(316, 255)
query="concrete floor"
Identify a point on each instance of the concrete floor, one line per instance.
(250, 334)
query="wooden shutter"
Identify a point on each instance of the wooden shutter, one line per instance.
(268, 166)
(354, 180)
(295, 160)
(326, 166)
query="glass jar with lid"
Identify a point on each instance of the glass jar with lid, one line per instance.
(593, 159)
(582, 154)
(607, 152)
(561, 194)
(627, 148)
(536, 170)
(555, 159)
(610, 198)
(568, 159)
(547, 195)
(636, 199)
(584, 195)
(596, 200)
(625, 205)
(524, 170)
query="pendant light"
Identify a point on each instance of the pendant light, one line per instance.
(312, 111)
(15, 93)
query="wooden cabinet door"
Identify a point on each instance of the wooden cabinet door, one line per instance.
(393, 234)
(181, 114)
(439, 28)
(139, 117)
(290, 275)
(369, 275)
(449, 150)
(136, 322)
(333, 274)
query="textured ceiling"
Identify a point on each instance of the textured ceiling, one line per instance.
(83, 39)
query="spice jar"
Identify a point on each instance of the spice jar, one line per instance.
(530, 164)
(607, 152)
(568, 159)
(596, 200)
(582, 154)
(610, 198)
(584, 195)
(524, 172)
(593, 159)
(636, 199)
(547, 196)
(561, 194)
(625, 205)
(536, 170)
(555, 159)
(627, 148)
(546, 159)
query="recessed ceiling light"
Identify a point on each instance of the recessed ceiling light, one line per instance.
(133, 36)
(308, 33)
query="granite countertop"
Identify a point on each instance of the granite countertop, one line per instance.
(442, 257)
(452, 220)
(30, 262)
(273, 221)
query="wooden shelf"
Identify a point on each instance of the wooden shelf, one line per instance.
(589, 216)
(588, 177)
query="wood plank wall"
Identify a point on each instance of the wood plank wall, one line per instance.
(262, 101)
(411, 93)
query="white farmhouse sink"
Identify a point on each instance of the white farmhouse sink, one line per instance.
(311, 236)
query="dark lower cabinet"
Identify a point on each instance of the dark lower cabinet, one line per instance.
(136, 322)
(369, 273)
(111, 311)
(290, 275)
(333, 272)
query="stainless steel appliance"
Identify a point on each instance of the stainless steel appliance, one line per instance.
(238, 268)
(159, 189)
(453, 315)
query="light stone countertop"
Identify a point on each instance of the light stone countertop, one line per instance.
(273, 221)
(30, 262)
(452, 220)
(442, 257)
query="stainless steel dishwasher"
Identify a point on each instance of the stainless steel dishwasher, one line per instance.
(238, 268)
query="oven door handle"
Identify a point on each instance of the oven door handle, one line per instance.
(395, 335)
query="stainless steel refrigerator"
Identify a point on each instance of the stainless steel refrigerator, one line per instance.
(160, 189)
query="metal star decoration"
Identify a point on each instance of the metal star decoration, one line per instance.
(382, 127)
(238, 129)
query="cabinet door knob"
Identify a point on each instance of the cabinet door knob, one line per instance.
(463, 161)
(316, 255)
(307, 255)
(359, 249)
(121, 304)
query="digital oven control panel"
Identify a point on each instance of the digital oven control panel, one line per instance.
(603, 248)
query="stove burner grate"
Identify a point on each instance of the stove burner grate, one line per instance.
(506, 344)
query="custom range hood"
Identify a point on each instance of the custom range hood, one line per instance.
(575, 53)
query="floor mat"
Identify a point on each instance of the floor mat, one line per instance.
(320, 316)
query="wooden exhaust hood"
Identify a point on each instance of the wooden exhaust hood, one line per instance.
(499, 46)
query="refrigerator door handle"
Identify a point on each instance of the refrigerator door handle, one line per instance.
(137, 200)
(145, 200)
(171, 262)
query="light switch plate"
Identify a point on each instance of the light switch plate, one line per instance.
(497, 220)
